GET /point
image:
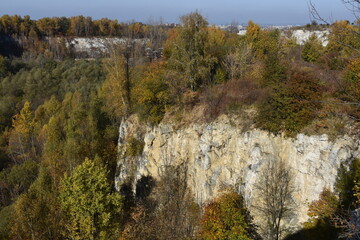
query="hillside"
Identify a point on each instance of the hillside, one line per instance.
(115, 130)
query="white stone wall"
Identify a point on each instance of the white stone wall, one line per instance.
(220, 154)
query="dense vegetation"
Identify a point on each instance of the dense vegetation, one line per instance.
(57, 113)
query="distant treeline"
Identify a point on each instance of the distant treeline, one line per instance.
(81, 26)
(22, 34)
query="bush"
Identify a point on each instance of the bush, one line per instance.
(5, 221)
(320, 212)
(291, 104)
(229, 97)
(350, 87)
(134, 147)
(226, 218)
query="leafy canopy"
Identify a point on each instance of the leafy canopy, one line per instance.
(89, 204)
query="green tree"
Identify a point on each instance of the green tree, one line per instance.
(346, 182)
(21, 176)
(312, 49)
(226, 218)
(304, 94)
(269, 49)
(5, 222)
(187, 53)
(37, 214)
(152, 93)
(4, 68)
(89, 204)
(291, 103)
(53, 149)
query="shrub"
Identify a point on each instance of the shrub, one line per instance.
(291, 104)
(350, 87)
(225, 218)
(134, 147)
(320, 212)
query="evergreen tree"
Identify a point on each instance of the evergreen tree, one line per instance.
(312, 49)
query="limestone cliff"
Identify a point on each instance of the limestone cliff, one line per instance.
(222, 154)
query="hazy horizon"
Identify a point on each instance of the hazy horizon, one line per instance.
(277, 12)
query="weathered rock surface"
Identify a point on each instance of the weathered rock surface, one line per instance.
(302, 36)
(220, 154)
(96, 46)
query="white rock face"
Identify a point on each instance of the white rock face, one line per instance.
(220, 154)
(96, 46)
(303, 35)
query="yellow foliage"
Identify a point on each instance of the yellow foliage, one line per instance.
(322, 209)
(23, 122)
(113, 91)
(343, 38)
(252, 32)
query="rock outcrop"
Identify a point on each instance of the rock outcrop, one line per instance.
(96, 47)
(302, 36)
(221, 154)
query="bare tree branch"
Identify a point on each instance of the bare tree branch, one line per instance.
(275, 189)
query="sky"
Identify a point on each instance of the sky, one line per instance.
(274, 12)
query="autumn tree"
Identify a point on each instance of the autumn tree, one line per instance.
(344, 36)
(22, 140)
(350, 87)
(226, 218)
(292, 103)
(90, 206)
(187, 54)
(47, 26)
(37, 212)
(253, 32)
(274, 203)
(152, 93)
(321, 213)
(116, 88)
